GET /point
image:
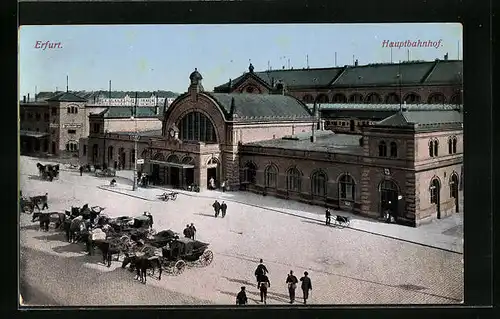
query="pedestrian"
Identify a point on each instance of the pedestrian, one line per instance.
(212, 183)
(216, 206)
(241, 298)
(291, 281)
(306, 286)
(45, 199)
(223, 207)
(150, 219)
(260, 271)
(223, 185)
(187, 231)
(193, 230)
(264, 283)
(81, 170)
(328, 216)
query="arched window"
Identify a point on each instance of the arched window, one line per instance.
(308, 98)
(382, 149)
(346, 187)
(322, 98)
(110, 154)
(412, 98)
(173, 159)
(373, 98)
(250, 173)
(195, 126)
(392, 98)
(431, 148)
(394, 149)
(356, 98)
(159, 157)
(188, 160)
(339, 98)
(454, 146)
(456, 99)
(318, 184)
(434, 191)
(293, 180)
(436, 147)
(436, 98)
(271, 176)
(144, 153)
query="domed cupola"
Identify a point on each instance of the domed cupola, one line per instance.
(195, 77)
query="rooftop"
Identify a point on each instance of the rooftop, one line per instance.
(127, 112)
(384, 107)
(149, 133)
(326, 141)
(422, 118)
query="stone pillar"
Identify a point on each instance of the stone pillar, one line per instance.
(200, 176)
(366, 192)
(231, 169)
(409, 196)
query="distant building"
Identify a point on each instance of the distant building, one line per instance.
(118, 98)
(414, 82)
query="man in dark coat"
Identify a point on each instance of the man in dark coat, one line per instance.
(260, 271)
(306, 286)
(81, 170)
(187, 232)
(241, 298)
(223, 208)
(291, 281)
(264, 283)
(193, 230)
(216, 205)
(328, 216)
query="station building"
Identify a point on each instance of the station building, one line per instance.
(410, 162)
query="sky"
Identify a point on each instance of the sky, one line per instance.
(161, 57)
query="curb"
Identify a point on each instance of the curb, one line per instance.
(303, 217)
(123, 193)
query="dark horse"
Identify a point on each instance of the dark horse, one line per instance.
(141, 264)
(107, 249)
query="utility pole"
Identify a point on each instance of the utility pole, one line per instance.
(136, 139)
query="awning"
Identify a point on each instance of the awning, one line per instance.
(33, 134)
(171, 164)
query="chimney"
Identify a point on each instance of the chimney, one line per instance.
(446, 56)
(356, 62)
(24, 98)
(28, 97)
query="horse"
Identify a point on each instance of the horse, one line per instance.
(108, 248)
(142, 264)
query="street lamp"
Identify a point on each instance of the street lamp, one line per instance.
(136, 139)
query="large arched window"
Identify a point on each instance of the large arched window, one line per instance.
(293, 180)
(436, 98)
(271, 176)
(308, 98)
(456, 99)
(433, 148)
(318, 184)
(159, 157)
(187, 160)
(346, 187)
(394, 149)
(392, 98)
(356, 98)
(322, 98)
(373, 98)
(110, 154)
(195, 126)
(382, 149)
(339, 98)
(434, 190)
(173, 159)
(250, 175)
(412, 98)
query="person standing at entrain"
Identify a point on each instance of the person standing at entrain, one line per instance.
(306, 286)
(328, 216)
(193, 230)
(223, 208)
(81, 170)
(264, 283)
(223, 186)
(291, 281)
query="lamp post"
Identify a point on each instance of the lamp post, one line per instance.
(136, 139)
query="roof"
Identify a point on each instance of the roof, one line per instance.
(66, 97)
(376, 74)
(326, 141)
(140, 133)
(248, 107)
(32, 134)
(383, 107)
(126, 112)
(422, 118)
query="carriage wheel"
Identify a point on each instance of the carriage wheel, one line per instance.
(166, 198)
(207, 257)
(174, 196)
(179, 267)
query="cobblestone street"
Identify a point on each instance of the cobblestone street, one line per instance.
(368, 263)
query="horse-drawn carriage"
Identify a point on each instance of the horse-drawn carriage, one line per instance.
(166, 196)
(48, 172)
(182, 252)
(28, 204)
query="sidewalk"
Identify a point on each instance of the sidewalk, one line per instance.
(444, 234)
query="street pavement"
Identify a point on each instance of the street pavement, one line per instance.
(347, 266)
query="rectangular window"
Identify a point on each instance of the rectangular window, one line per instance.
(71, 131)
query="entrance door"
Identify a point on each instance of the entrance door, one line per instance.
(389, 197)
(454, 191)
(122, 160)
(211, 173)
(155, 174)
(435, 196)
(174, 177)
(53, 147)
(189, 175)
